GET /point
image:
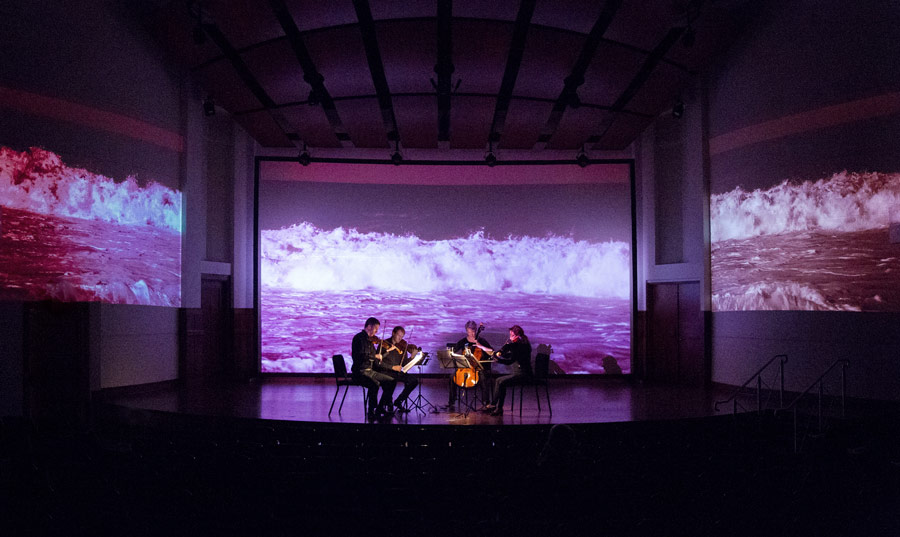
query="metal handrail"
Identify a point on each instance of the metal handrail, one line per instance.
(758, 377)
(793, 406)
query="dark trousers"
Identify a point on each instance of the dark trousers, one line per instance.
(371, 380)
(409, 384)
(505, 382)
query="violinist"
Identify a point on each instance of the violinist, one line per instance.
(517, 352)
(369, 370)
(394, 351)
(471, 342)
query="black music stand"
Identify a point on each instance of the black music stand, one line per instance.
(420, 402)
(451, 360)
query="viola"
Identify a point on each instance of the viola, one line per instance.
(401, 346)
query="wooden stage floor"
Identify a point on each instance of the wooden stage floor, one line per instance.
(305, 399)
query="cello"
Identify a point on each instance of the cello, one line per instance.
(468, 377)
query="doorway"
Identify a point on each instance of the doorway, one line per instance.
(676, 348)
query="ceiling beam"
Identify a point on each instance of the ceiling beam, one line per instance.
(319, 93)
(653, 59)
(444, 69)
(569, 96)
(511, 72)
(250, 81)
(376, 68)
(494, 96)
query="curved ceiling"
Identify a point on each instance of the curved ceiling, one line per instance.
(529, 74)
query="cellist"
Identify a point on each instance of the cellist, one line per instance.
(471, 342)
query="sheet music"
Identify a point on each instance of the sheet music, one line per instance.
(412, 362)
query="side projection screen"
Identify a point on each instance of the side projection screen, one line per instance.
(430, 247)
(72, 234)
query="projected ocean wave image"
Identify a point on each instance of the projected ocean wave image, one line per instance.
(810, 245)
(72, 235)
(319, 286)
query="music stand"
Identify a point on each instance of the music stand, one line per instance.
(451, 360)
(420, 402)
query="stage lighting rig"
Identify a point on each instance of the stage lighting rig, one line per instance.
(396, 157)
(582, 159)
(304, 159)
(489, 158)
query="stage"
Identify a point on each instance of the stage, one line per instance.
(307, 399)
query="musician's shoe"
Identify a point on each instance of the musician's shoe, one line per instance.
(401, 407)
(489, 407)
(385, 412)
(497, 412)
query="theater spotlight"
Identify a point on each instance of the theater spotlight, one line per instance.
(304, 158)
(209, 107)
(582, 159)
(678, 109)
(396, 157)
(489, 157)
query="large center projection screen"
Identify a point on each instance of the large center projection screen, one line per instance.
(429, 247)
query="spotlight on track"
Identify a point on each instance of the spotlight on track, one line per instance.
(582, 159)
(396, 157)
(304, 159)
(678, 109)
(489, 158)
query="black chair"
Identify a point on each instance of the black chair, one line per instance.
(342, 378)
(541, 373)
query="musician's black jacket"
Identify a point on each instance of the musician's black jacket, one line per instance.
(517, 353)
(464, 342)
(363, 353)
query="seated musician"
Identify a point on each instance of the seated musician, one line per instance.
(471, 342)
(394, 352)
(516, 351)
(369, 371)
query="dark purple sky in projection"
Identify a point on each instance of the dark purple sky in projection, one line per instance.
(444, 201)
(593, 212)
(867, 145)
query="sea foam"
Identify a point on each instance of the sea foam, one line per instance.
(304, 257)
(842, 202)
(39, 181)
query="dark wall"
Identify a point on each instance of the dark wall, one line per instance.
(11, 359)
(781, 81)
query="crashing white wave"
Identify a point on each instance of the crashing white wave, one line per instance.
(38, 181)
(843, 202)
(776, 296)
(305, 258)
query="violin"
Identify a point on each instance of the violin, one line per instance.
(401, 346)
